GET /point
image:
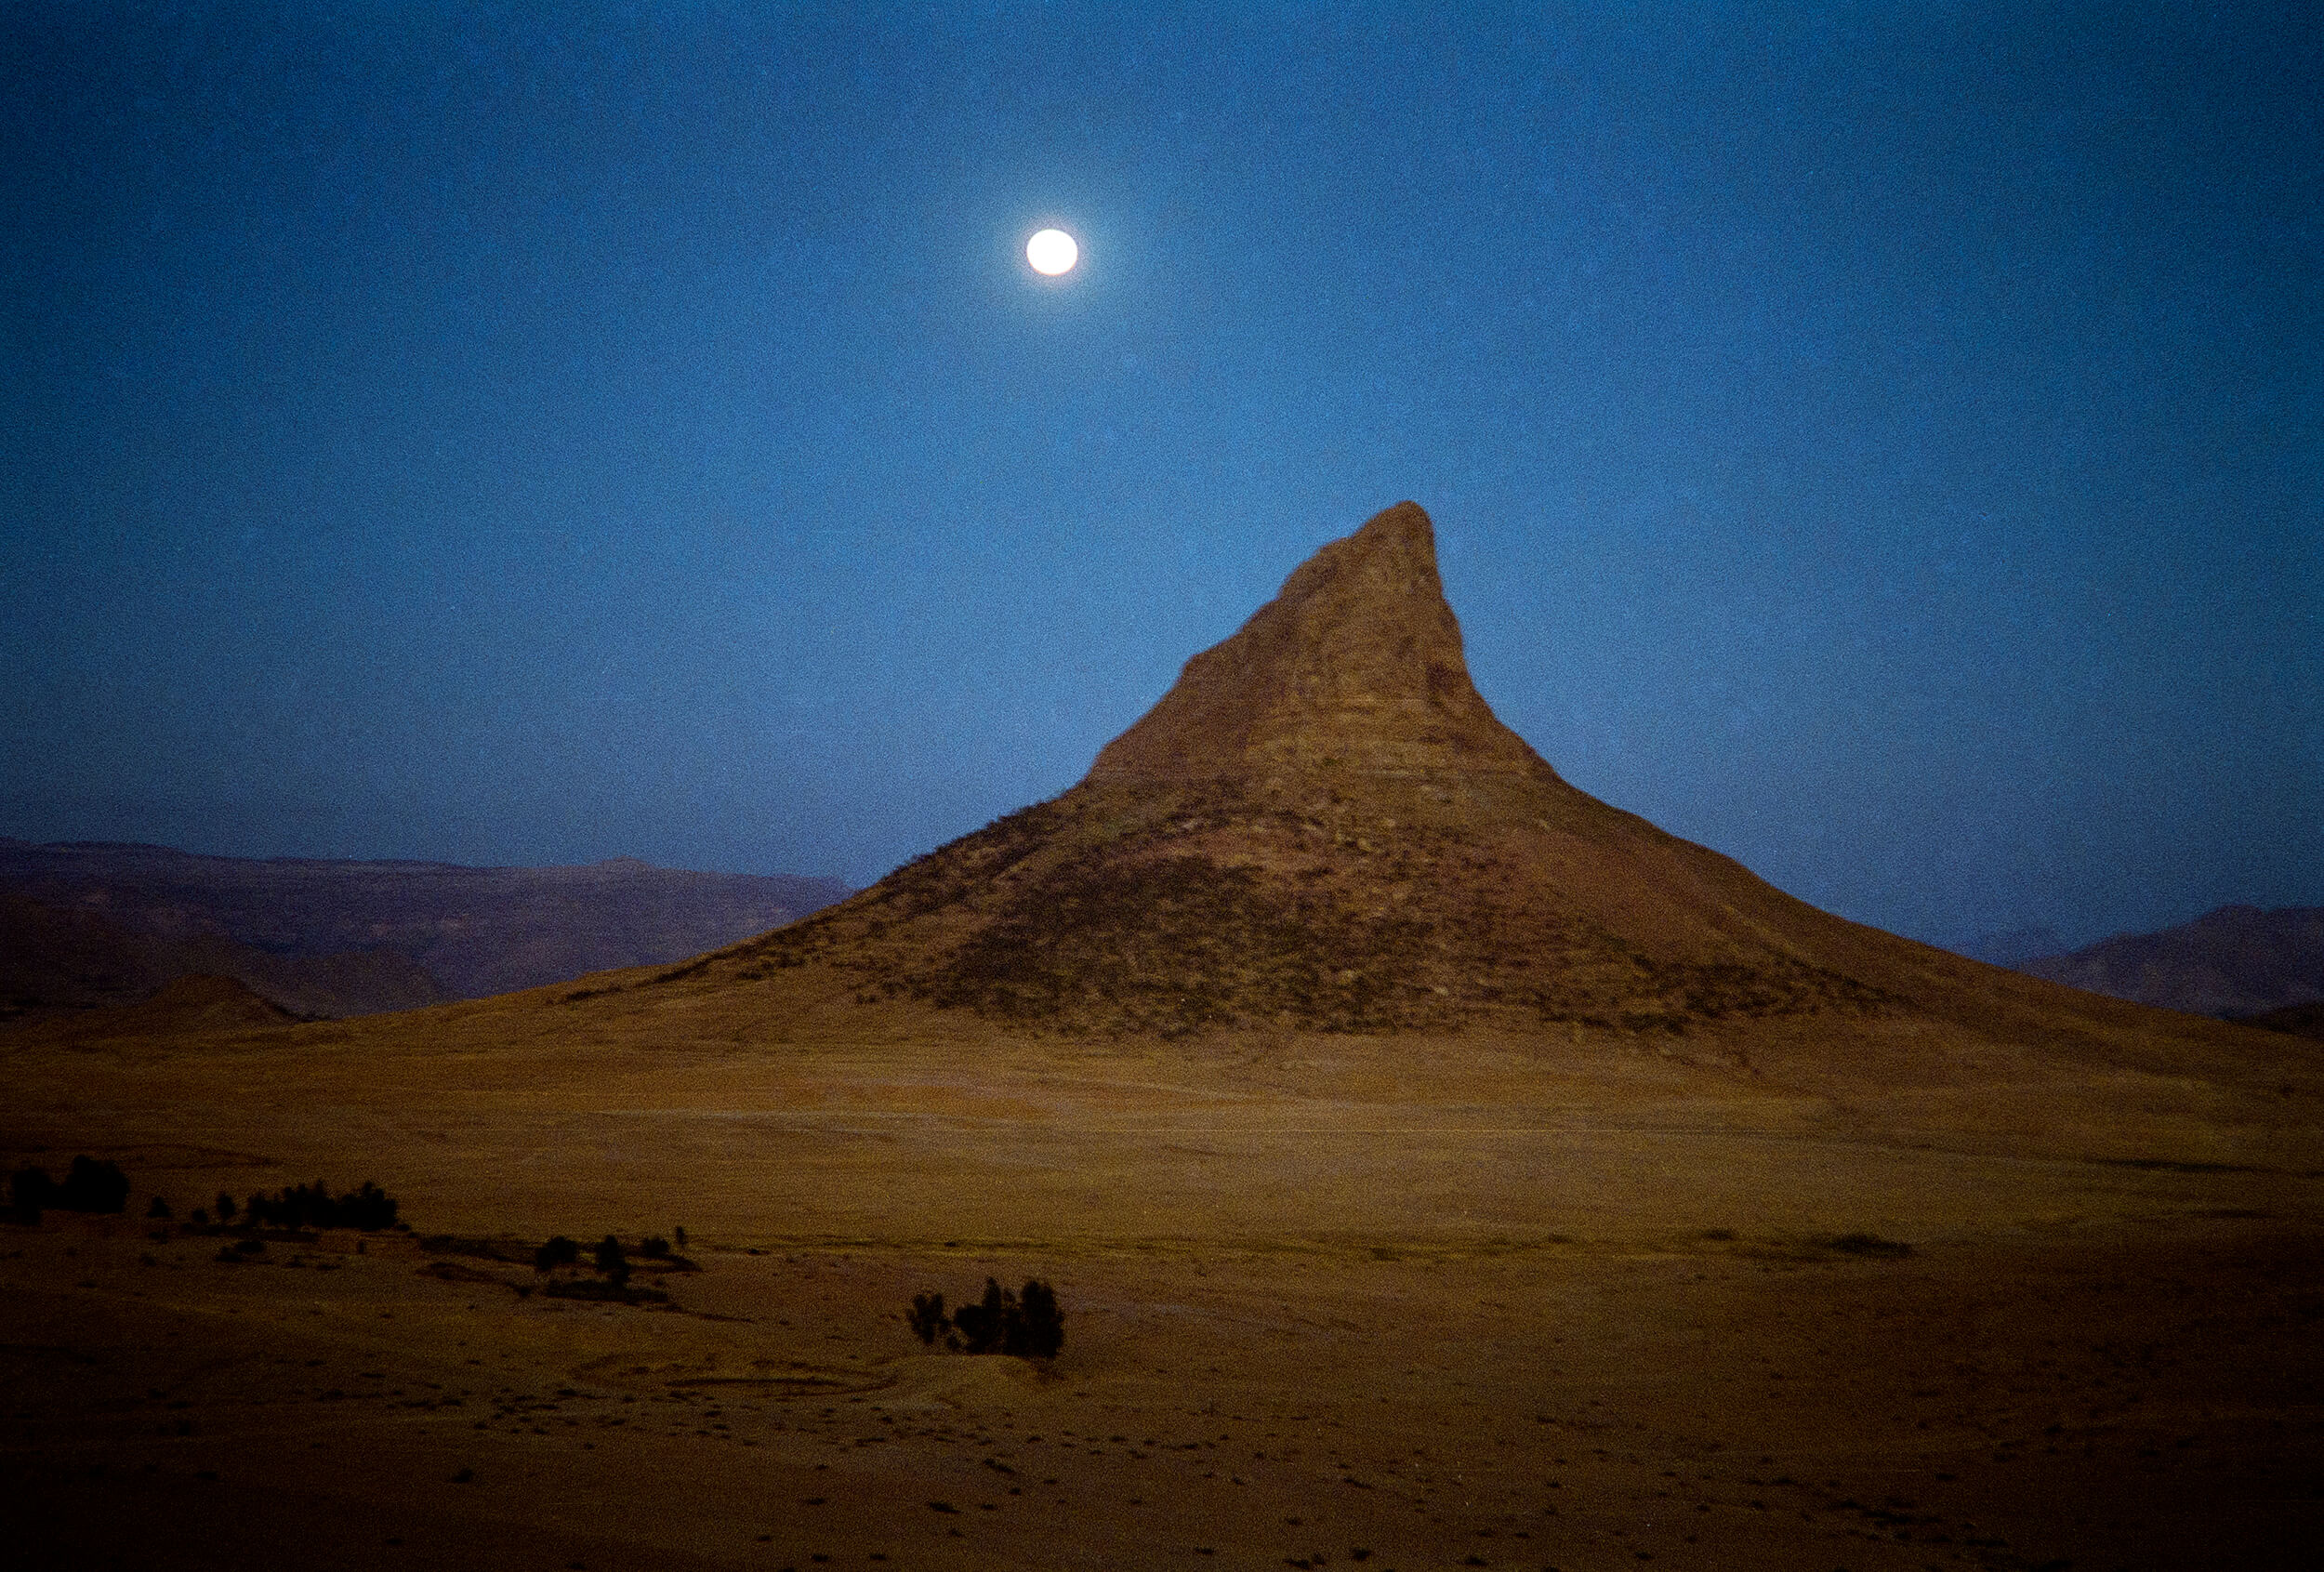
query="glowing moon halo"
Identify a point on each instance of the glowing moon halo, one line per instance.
(1052, 252)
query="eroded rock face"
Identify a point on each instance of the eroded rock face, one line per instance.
(1355, 665)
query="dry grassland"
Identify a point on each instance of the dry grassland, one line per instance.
(1331, 1301)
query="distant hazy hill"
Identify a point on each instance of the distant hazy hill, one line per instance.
(393, 935)
(2235, 961)
(54, 957)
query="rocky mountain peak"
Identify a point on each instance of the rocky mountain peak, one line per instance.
(1355, 665)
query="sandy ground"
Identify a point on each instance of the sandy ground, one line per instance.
(1328, 1304)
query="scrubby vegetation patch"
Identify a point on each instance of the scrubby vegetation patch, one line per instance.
(90, 1185)
(1025, 1325)
(366, 1208)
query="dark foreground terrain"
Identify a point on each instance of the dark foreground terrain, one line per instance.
(1327, 1306)
(2104, 1396)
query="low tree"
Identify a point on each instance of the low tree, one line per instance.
(225, 1206)
(30, 1190)
(94, 1185)
(1039, 1330)
(980, 1324)
(612, 1261)
(557, 1251)
(158, 1209)
(927, 1318)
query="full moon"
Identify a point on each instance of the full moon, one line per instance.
(1053, 252)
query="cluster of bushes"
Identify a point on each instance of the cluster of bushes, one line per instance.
(90, 1186)
(610, 1259)
(94, 1186)
(1028, 1324)
(366, 1207)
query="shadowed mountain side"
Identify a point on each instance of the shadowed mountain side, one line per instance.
(1376, 905)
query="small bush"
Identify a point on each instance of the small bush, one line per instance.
(1870, 1245)
(1038, 1329)
(29, 1190)
(158, 1209)
(557, 1251)
(655, 1248)
(612, 1262)
(927, 1318)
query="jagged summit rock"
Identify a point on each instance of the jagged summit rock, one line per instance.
(1354, 666)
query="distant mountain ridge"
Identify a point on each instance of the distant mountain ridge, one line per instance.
(319, 936)
(59, 958)
(2234, 961)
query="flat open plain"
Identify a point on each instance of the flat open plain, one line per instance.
(1331, 1300)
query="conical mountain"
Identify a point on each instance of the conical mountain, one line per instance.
(1323, 827)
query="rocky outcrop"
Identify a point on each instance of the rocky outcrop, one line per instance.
(1354, 667)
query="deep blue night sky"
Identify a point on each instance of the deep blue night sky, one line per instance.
(1883, 443)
